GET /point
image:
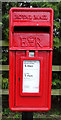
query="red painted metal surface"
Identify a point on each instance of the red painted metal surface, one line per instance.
(30, 29)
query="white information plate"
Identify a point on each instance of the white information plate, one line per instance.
(31, 70)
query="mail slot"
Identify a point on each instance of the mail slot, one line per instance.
(30, 58)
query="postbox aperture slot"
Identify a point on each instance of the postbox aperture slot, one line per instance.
(31, 28)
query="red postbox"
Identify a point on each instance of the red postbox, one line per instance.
(30, 58)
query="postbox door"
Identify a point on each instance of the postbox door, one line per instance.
(30, 98)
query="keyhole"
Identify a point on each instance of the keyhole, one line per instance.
(19, 78)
